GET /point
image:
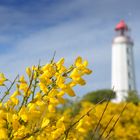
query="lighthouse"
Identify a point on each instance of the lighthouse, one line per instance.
(123, 75)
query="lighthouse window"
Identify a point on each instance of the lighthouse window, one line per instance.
(129, 87)
(129, 75)
(127, 50)
(128, 62)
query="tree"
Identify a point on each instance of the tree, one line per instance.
(133, 97)
(97, 96)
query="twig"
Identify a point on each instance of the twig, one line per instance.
(35, 81)
(115, 122)
(7, 92)
(95, 130)
(25, 99)
(70, 127)
(106, 128)
(34, 132)
(53, 57)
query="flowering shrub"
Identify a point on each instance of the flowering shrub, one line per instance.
(30, 108)
(29, 112)
(126, 128)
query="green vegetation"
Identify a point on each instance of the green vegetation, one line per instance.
(97, 96)
(133, 97)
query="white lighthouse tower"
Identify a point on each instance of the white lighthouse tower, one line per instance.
(123, 76)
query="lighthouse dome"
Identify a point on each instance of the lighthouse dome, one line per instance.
(123, 40)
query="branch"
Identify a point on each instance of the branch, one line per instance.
(71, 126)
(115, 122)
(7, 92)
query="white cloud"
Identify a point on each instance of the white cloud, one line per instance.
(88, 35)
(69, 40)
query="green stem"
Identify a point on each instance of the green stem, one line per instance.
(25, 98)
(8, 90)
(87, 114)
(106, 127)
(33, 94)
(96, 128)
(107, 136)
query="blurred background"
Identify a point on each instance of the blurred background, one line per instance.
(31, 30)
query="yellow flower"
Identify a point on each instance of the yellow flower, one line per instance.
(60, 81)
(51, 108)
(23, 87)
(28, 71)
(76, 76)
(15, 93)
(53, 100)
(60, 63)
(87, 71)
(14, 100)
(3, 134)
(82, 65)
(43, 87)
(45, 122)
(2, 123)
(39, 116)
(15, 122)
(2, 79)
(78, 61)
(22, 79)
(60, 123)
(61, 99)
(69, 91)
(23, 114)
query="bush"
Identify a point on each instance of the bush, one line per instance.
(133, 97)
(97, 96)
(30, 111)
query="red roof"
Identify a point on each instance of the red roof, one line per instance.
(121, 26)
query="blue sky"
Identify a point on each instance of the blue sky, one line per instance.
(33, 29)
